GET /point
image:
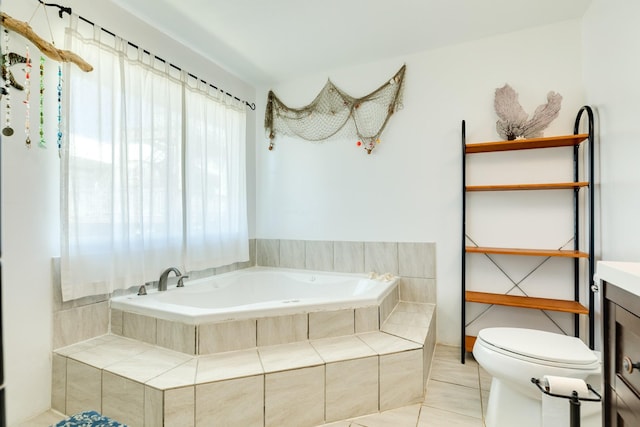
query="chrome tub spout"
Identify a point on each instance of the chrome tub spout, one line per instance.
(162, 282)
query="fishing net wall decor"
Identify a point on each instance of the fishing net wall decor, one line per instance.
(334, 114)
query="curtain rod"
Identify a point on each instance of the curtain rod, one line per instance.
(63, 9)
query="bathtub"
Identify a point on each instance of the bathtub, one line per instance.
(258, 292)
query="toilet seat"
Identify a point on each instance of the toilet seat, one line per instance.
(540, 347)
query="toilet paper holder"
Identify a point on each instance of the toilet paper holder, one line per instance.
(574, 401)
(574, 395)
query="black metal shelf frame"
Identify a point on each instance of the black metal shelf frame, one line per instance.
(590, 209)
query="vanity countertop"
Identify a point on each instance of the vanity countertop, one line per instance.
(625, 275)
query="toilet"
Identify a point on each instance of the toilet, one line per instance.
(512, 356)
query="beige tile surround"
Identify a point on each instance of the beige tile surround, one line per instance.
(414, 262)
(287, 352)
(234, 335)
(303, 383)
(438, 409)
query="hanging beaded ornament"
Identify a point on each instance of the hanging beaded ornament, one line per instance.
(27, 89)
(7, 130)
(43, 143)
(59, 87)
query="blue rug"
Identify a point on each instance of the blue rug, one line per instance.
(88, 419)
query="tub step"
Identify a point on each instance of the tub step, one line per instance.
(303, 383)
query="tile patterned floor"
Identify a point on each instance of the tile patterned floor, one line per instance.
(456, 396)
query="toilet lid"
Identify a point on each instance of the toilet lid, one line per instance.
(542, 345)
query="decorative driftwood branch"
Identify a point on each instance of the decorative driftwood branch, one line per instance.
(44, 46)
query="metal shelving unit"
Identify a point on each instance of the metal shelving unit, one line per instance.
(578, 254)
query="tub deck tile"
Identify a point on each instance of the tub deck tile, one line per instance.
(342, 348)
(145, 366)
(415, 307)
(113, 351)
(410, 318)
(410, 321)
(289, 356)
(180, 376)
(417, 334)
(85, 345)
(383, 343)
(229, 365)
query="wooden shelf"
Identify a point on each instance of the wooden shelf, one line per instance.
(527, 252)
(526, 302)
(517, 187)
(526, 144)
(469, 341)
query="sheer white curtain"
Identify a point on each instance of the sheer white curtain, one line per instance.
(146, 227)
(216, 226)
(134, 161)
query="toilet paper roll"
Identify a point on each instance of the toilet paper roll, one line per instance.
(565, 386)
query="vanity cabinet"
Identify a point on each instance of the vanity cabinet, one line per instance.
(621, 364)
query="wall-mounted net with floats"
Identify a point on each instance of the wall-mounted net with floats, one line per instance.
(333, 114)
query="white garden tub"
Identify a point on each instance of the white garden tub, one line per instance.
(258, 292)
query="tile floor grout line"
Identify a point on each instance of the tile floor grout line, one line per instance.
(453, 383)
(480, 393)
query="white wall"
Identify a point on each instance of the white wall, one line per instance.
(611, 43)
(409, 188)
(30, 197)
(30, 224)
(611, 76)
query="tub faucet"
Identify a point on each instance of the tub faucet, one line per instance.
(162, 282)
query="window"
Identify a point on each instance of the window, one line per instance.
(153, 172)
